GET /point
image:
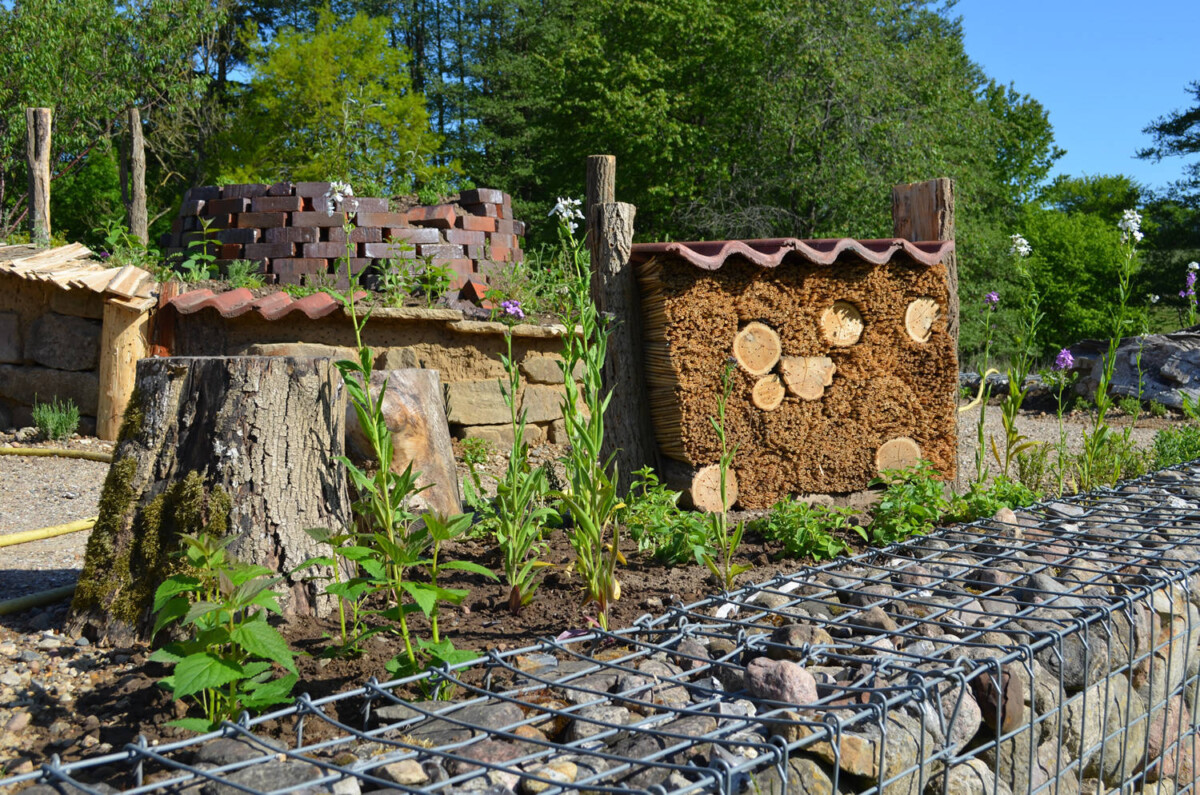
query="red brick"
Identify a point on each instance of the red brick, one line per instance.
(297, 266)
(317, 219)
(381, 219)
(230, 251)
(312, 189)
(461, 237)
(505, 226)
(326, 250)
(517, 255)
(246, 191)
(261, 220)
(203, 192)
(276, 204)
(519, 228)
(477, 223)
(464, 271)
(192, 207)
(500, 253)
(370, 204)
(222, 206)
(177, 225)
(440, 216)
(270, 250)
(415, 235)
(473, 291)
(475, 252)
(484, 210)
(238, 235)
(360, 234)
(357, 265)
(292, 234)
(440, 250)
(506, 241)
(482, 196)
(388, 251)
(221, 221)
(281, 189)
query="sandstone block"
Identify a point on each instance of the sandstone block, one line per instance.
(476, 403)
(542, 403)
(501, 436)
(64, 342)
(10, 337)
(397, 359)
(27, 384)
(302, 350)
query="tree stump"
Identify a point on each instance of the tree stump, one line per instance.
(244, 445)
(415, 412)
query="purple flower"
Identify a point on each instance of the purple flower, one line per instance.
(1191, 278)
(105, 255)
(1064, 360)
(991, 299)
(512, 309)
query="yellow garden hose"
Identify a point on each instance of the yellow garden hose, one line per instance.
(46, 532)
(90, 455)
(36, 599)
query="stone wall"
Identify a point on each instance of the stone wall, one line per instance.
(49, 350)
(466, 354)
(289, 230)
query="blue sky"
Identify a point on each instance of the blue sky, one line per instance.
(1103, 69)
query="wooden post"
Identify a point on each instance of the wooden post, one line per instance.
(601, 189)
(37, 150)
(122, 343)
(136, 210)
(924, 211)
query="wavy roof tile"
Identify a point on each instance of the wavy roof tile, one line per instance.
(770, 253)
(270, 307)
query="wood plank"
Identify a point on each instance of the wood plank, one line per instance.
(122, 343)
(924, 211)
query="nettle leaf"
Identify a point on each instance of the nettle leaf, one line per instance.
(167, 654)
(172, 586)
(204, 671)
(198, 725)
(174, 610)
(466, 565)
(262, 640)
(423, 594)
(269, 693)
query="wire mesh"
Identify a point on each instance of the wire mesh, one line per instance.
(1055, 652)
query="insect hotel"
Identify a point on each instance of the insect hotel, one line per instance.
(837, 353)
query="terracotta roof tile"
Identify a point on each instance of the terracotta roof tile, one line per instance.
(192, 301)
(273, 306)
(770, 253)
(232, 303)
(316, 305)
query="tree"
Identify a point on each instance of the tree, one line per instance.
(1177, 134)
(337, 103)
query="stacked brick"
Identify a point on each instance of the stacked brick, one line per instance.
(288, 229)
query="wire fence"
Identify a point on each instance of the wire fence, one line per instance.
(1056, 652)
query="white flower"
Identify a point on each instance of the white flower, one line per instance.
(1153, 298)
(1130, 226)
(567, 211)
(1020, 246)
(338, 193)
(1193, 266)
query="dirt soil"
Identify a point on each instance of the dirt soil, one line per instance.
(66, 696)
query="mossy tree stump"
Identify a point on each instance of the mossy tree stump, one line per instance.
(245, 445)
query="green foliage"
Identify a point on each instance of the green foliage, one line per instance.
(432, 281)
(720, 537)
(347, 555)
(652, 517)
(1176, 445)
(983, 500)
(243, 273)
(1177, 134)
(1157, 409)
(125, 249)
(809, 531)
(913, 501)
(520, 513)
(1129, 406)
(337, 102)
(475, 451)
(541, 282)
(56, 420)
(199, 265)
(226, 659)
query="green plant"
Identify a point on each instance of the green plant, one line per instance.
(1157, 409)
(1032, 465)
(1016, 443)
(1061, 376)
(125, 249)
(1130, 406)
(990, 301)
(347, 555)
(807, 531)
(433, 280)
(55, 420)
(299, 291)
(395, 278)
(434, 190)
(200, 260)
(654, 521)
(1190, 407)
(913, 501)
(592, 494)
(519, 510)
(1176, 445)
(720, 537)
(226, 660)
(982, 500)
(243, 273)
(475, 452)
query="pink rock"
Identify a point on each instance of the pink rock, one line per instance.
(780, 680)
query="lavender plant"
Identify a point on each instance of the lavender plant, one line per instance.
(1062, 376)
(1188, 293)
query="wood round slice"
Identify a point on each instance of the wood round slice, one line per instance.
(757, 348)
(898, 453)
(706, 489)
(807, 376)
(919, 318)
(842, 324)
(768, 393)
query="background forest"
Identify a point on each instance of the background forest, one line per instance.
(729, 119)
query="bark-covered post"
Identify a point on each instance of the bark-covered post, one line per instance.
(136, 209)
(244, 446)
(37, 150)
(924, 211)
(628, 429)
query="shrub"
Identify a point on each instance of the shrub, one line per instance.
(56, 420)
(805, 530)
(913, 502)
(984, 500)
(1176, 445)
(654, 520)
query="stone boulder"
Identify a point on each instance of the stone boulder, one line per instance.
(1170, 365)
(63, 342)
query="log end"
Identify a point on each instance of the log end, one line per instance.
(899, 453)
(768, 393)
(919, 318)
(706, 489)
(757, 348)
(842, 324)
(807, 376)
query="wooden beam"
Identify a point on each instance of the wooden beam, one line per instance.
(924, 211)
(122, 343)
(138, 223)
(601, 189)
(37, 150)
